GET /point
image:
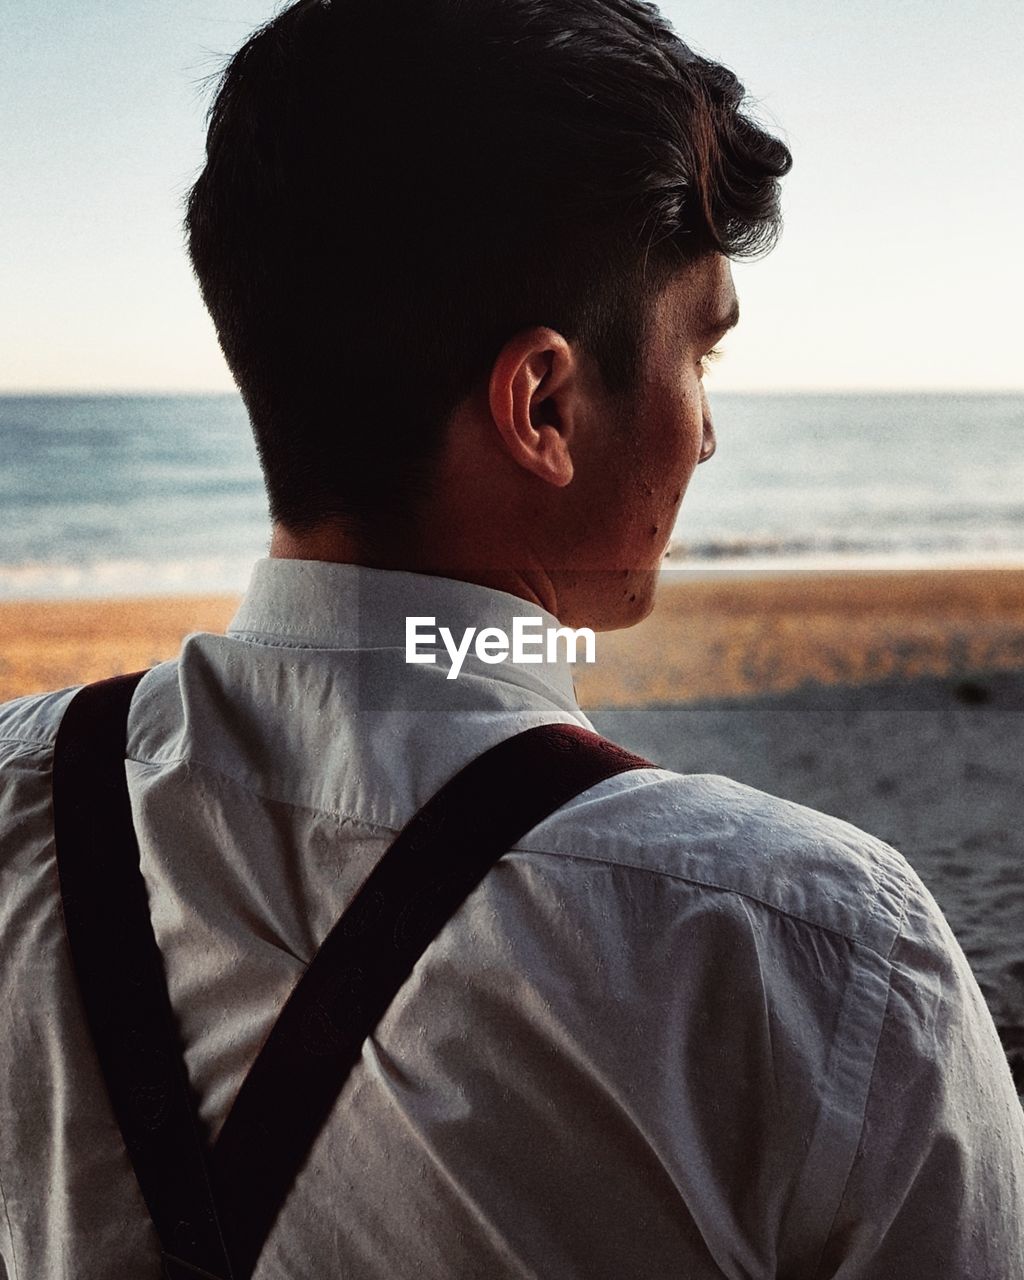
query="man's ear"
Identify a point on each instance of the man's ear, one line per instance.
(533, 397)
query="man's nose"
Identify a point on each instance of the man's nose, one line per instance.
(710, 443)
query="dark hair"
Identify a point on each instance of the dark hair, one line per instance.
(393, 190)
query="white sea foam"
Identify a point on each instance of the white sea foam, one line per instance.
(105, 578)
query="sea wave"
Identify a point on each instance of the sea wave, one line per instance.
(214, 575)
(927, 547)
(229, 575)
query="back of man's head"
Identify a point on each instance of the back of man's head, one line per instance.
(392, 191)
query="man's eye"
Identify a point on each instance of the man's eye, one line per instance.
(713, 354)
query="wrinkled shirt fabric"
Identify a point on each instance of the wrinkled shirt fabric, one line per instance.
(683, 1029)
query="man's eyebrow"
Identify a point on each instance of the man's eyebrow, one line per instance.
(723, 323)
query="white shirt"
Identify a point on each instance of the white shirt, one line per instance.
(684, 1029)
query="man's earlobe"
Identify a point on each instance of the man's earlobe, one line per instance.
(557, 457)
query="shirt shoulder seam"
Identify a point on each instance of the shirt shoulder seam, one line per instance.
(383, 829)
(206, 766)
(883, 1021)
(45, 743)
(722, 888)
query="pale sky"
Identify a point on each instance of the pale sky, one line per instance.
(901, 264)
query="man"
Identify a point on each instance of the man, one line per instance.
(466, 262)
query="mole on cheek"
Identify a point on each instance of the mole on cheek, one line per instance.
(654, 530)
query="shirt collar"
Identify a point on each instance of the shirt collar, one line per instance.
(316, 604)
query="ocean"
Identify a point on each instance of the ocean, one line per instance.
(129, 494)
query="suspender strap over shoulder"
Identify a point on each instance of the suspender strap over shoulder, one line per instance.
(213, 1213)
(435, 863)
(121, 979)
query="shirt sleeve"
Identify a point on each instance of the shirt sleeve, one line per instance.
(937, 1183)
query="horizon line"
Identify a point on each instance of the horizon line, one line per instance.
(57, 393)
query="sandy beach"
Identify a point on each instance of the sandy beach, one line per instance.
(711, 635)
(891, 699)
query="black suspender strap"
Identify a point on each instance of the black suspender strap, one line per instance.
(121, 978)
(434, 864)
(436, 861)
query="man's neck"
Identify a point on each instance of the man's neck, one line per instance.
(335, 545)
